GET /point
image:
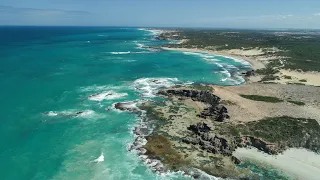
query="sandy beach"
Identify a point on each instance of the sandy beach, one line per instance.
(255, 64)
(297, 163)
(257, 60)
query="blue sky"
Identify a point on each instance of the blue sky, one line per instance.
(164, 13)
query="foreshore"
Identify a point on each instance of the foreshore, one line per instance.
(297, 163)
(257, 61)
(254, 63)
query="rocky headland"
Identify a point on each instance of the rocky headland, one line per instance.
(193, 127)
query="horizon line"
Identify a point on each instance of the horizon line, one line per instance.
(163, 27)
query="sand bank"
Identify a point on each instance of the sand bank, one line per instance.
(297, 163)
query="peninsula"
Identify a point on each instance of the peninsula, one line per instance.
(270, 122)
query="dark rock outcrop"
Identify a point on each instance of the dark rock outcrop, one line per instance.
(209, 142)
(127, 106)
(218, 112)
(199, 128)
(196, 95)
(215, 111)
(249, 73)
(259, 144)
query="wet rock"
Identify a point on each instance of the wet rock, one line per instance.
(79, 112)
(141, 131)
(127, 106)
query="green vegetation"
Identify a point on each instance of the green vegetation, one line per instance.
(303, 80)
(262, 98)
(228, 102)
(296, 83)
(160, 147)
(267, 71)
(202, 88)
(299, 103)
(299, 49)
(288, 131)
(287, 77)
(269, 77)
(151, 112)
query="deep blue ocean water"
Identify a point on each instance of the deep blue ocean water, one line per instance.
(58, 87)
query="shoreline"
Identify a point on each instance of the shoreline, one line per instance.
(253, 63)
(296, 77)
(295, 162)
(290, 166)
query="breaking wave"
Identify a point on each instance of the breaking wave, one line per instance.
(148, 87)
(106, 95)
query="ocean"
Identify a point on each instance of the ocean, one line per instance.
(58, 90)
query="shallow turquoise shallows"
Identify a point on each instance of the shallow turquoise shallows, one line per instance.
(58, 87)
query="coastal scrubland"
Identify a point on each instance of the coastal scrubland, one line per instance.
(277, 56)
(299, 49)
(218, 128)
(185, 139)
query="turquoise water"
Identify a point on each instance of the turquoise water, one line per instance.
(53, 128)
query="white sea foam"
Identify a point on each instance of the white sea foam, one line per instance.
(190, 53)
(234, 79)
(140, 45)
(51, 113)
(93, 88)
(127, 52)
(106, 95)
(150, 86)
(219, 65)
(70, 113)
(213, 57)
(130, 60)
(152, 31)
(85, 113)
(96, 88)
(99, 159)
(243, 62)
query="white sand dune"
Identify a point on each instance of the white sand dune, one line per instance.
(296, 163)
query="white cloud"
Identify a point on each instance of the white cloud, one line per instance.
(316, 14)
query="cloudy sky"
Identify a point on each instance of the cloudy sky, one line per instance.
(302, 14)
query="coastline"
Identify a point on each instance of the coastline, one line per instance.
(146, 143)
(297, 163)
(254, 63)
(290, 161)
(296, 77)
